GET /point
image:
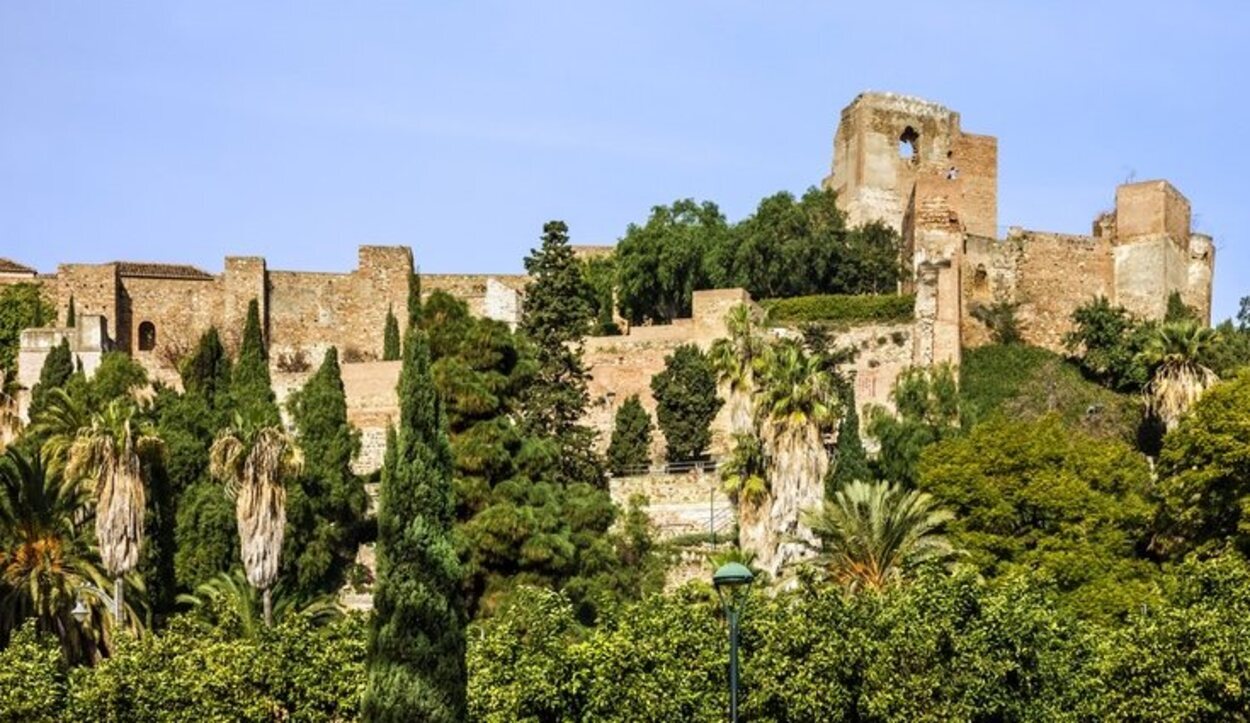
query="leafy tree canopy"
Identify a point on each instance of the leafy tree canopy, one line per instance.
(926, 403)
(22, 306)
(661, 263)
(789, 247)
(1045, 498)
(1204, 474)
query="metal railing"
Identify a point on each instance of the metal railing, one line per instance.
(692, 465)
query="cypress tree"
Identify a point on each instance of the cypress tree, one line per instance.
(326, 504)
(71, 317)
(58, 367)
(414, 300)
(416, 669)
(850, 460)
(390, 337)
(250, 383)
(631, 437)
(206, 372)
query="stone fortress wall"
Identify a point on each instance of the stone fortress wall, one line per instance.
(907, 163)
(903, 161)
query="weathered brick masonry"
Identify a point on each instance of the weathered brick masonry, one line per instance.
(900, 160)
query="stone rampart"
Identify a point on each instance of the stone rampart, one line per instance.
(689, 503)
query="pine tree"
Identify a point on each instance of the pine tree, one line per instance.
(416, 668)
(630, 447)
(390, 337)
(686, 402)
(58, 367)
(250, 383)
(325, 506)
(71, 317)
(555, 317)
(850, 460)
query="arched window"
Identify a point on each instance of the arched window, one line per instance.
(147, 336)
(909, 145)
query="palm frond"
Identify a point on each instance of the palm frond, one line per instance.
(871, 532)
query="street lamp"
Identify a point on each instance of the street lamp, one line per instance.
(80, 611)
(733, 582)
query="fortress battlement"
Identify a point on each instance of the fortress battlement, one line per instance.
(899, 160)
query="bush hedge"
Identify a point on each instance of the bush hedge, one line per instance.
(841, 308)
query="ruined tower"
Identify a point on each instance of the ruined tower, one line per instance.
(886, 143)
(905, 162)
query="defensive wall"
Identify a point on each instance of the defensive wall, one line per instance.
(903, 161)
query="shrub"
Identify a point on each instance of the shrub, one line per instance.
(841, 309)
(1027, 382)
(32, 678)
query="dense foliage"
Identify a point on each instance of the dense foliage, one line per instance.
(1204, 475)
(850, 460)
(555, 317)
(660, 264)
(788, 247)
(1051, 500)
(943, 648)
(1026, 382)
(58, 367)
(251, 388)
(326, 503)
(416, 636)
(599, 271)
(926, 410)
(22, 306)
(194, 672)
(686, 402)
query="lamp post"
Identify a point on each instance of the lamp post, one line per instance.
(81, 612)
(733, 582)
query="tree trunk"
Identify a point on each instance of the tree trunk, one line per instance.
(268, 607)
(118, 589)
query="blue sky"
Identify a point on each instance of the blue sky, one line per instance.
(187, 132)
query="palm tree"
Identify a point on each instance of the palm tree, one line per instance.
(743, 472)
(1179, 379)
(64, 415)
(10, 422)
(870, 532)
(231, 594)
(796, 403)
(111, 452)
(734, 358)
(254, 464)
(46, 566)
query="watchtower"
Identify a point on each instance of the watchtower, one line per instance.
(886, 142)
